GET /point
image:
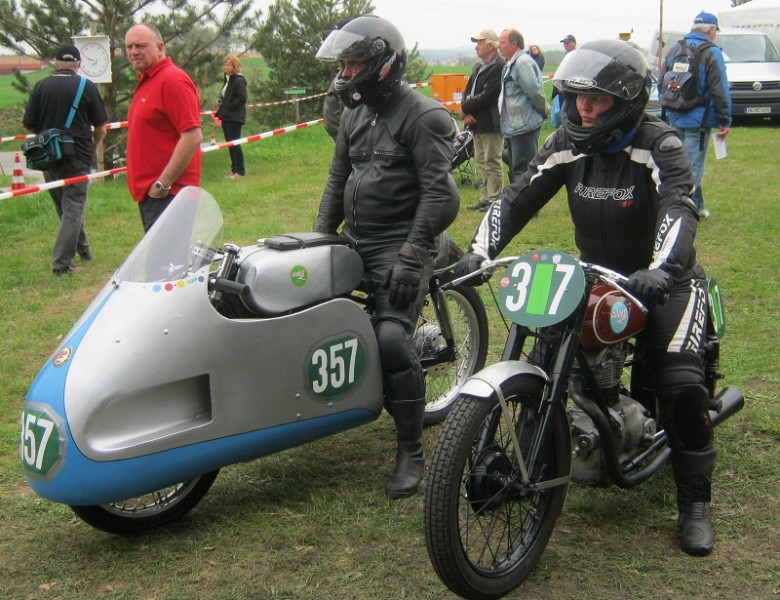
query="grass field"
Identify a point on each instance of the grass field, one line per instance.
(313, 522)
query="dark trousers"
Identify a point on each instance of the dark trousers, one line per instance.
(232, 131)
(70, 202)
(152, 208)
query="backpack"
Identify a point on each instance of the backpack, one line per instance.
(680, 83)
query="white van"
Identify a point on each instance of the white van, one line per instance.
(752, 68)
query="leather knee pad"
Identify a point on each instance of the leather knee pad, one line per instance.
(679, 383)
(401, 371)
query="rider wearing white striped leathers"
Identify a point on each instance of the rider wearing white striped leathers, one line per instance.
(628, 181)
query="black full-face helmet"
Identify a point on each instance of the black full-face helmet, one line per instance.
(376, 41)
(597, 68)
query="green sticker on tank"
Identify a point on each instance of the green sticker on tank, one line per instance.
(541, 288)
(299, 276)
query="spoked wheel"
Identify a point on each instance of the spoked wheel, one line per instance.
(150, 510)
(445, 374)
(485, 529)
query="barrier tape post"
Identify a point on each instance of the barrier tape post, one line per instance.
(17, 181)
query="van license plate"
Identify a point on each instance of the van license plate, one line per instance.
(758, 110)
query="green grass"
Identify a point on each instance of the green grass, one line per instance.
(313, 522)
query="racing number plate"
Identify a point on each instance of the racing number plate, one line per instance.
(541, 288)
(41, 441)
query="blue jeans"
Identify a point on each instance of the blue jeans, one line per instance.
(691, 138)
(522, 148)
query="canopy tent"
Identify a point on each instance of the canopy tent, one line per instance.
(760, 15)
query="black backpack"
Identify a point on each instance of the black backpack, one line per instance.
(680, 82)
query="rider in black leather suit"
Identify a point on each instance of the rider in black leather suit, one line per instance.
(390, 186)
(628, 181)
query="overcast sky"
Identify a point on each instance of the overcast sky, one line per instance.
(443, 24)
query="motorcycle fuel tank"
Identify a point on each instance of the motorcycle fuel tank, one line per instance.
(611, 317)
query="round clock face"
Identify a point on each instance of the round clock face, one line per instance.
(94, 60)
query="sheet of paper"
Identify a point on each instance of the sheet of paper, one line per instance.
(720, 146)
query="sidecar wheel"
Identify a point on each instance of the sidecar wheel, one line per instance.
(150, 510)
(485, 529)
(444, 378)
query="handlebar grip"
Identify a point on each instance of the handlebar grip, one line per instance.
(229, 287)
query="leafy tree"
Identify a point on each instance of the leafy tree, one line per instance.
(289, 39)
(196, 35)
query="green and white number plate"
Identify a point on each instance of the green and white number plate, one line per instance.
(541, 288)
(41, 441)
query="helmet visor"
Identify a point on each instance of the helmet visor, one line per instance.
(589, 71)
(345, 44)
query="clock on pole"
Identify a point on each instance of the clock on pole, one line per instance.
(95, 57)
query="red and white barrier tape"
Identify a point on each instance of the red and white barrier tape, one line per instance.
(122, 124)
(261, 136)
(34, 189)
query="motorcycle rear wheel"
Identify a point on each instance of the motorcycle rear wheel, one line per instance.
(151, 510)
(444, 379)
(484, 530)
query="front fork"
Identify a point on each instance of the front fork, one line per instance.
(439, 301)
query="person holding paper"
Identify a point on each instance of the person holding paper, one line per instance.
(695, 125)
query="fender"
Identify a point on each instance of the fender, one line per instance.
(488, 380)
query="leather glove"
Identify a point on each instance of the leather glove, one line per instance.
(404, 277)
(650, 285)
(467, 264)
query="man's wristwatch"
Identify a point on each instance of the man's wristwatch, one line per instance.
(160, 187)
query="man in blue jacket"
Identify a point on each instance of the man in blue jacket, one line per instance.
(695, 125)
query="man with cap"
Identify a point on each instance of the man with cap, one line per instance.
(479, 111)
(48, 107)
(569, 44)
(522, 104)
(695, 125)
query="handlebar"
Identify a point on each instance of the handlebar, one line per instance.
(604, 274)
(227, 286)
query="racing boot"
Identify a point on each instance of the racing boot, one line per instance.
(693, 477)
(409, 457)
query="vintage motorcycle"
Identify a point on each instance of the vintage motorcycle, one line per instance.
(195, 356)
(570, 400)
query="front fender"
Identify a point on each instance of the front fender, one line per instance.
(488, 380)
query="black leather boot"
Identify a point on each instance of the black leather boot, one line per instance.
(693, 476)
(409, 457)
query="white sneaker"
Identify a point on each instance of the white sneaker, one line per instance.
(704, 213)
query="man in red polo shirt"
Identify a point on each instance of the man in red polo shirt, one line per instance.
(164, 134)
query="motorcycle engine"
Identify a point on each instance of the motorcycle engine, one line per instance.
(632, 426)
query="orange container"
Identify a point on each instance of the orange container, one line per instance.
(448, 88)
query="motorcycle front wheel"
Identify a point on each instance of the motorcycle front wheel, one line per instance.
(445, 375)
(151, 510)
(485, 529)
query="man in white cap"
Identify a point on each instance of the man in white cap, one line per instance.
(714, 112)
(479, 111)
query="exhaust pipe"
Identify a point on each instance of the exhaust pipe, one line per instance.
(727, 403)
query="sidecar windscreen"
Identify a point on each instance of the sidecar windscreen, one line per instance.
(183, 240)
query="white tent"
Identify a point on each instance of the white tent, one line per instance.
(761, 15)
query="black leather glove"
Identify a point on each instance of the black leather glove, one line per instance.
(650, 285)
(404, 278)
(467, 264)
